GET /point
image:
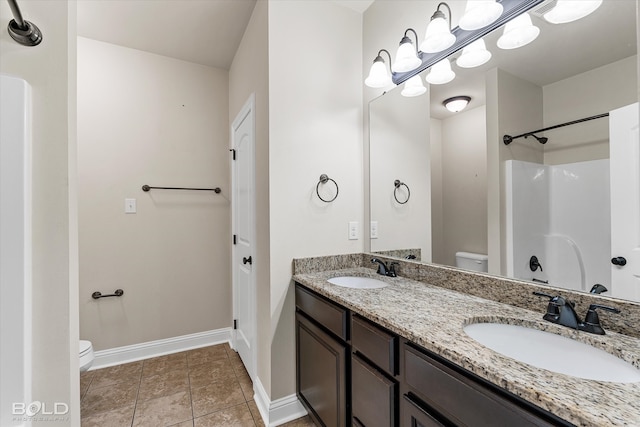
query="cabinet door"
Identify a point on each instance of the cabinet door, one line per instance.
(414, 416)
(373, 395)
(321, 373)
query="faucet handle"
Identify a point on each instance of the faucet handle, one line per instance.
(392, 270)
(592, 320)
(542, 294)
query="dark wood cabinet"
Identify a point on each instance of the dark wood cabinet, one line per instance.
(353, 372)
(322, 356)
(450, 395)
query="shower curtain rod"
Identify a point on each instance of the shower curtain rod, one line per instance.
(507, 139)
(22, 31)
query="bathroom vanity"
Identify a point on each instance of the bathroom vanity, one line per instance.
(398, 356)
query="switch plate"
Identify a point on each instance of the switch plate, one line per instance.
(374, 229)
(130, 206)
(353, 230)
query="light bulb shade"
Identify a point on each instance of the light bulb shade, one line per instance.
(571, 10)
(406, 57)
(438, 36)
(413, 87)
(480, 13)
(474, 55)
(440, 73)
(378, 75)
(457, 103)
(518, 32)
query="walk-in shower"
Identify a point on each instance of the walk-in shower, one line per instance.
(24, 32)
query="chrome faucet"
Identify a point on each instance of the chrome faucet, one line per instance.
(562, 312)
(383, 269)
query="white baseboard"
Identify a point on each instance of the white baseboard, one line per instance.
(145, 350)
(279, 411)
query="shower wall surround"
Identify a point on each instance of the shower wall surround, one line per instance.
(513, 292)
(561, 215)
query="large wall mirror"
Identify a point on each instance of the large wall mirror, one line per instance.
(442, 182)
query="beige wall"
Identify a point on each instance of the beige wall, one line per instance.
(248, 74)
(48, 68)
(587, 94)
(315, 127)
(149, 119)
(464, 183)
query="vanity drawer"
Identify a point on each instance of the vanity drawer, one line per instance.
(330, 315)
(374, 343)
(460, 399)
(373, 395)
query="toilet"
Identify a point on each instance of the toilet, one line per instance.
(86, 355)
(472, 261)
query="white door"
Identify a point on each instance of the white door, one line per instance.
(243, 217)
(625, 202)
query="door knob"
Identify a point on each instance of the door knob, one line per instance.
(619, 260)
(246, 260)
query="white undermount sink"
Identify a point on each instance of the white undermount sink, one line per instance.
(553, 352)
(358, 282)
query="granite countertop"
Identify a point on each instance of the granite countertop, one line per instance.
(434, 317)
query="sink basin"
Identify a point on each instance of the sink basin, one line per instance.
(553, 352)
(358, 282)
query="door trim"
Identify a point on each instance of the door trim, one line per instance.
(248, 109)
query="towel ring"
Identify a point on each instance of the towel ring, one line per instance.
(397, 183)
(323, 180)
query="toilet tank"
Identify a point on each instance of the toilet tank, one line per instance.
(472, 261)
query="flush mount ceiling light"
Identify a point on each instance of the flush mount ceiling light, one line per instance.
(474, 55)
(413, 87)
(407, 54)
(438, 36)
(479, 14)
(571, 10)
(518, 32)
(378, 75)
(456, 103)
(440, 73)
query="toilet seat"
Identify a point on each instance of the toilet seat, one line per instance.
(85, 347)
(86, 355)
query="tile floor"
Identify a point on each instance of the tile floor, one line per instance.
(197, 388)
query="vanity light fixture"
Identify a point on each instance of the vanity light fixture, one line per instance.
(407, 54)
(518, 32)
(378, 75)
(456, 103)
(474, 55)
(413, 87)
(571, 10)
(479, 14)
(438, 36)
(440, 73)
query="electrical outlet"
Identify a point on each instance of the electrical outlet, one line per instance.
(374, 229)
(353, 230)
(130, 206)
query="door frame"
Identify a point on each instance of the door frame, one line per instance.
(248, 109)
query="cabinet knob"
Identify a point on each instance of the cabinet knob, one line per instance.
(619, 260)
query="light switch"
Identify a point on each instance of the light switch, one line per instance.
(374, 229)
(130, 206)
(353, 230)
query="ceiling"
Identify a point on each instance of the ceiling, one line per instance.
(206, 32)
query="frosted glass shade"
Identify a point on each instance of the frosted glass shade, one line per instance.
(474, 55)
(413, 87)
(440, 73)
(571, 10)
(406, 57)
(518, 32)
(438, 37)
(457, 103)
(378, 75)
(479, 14)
